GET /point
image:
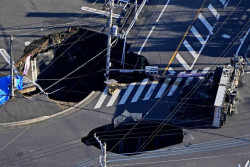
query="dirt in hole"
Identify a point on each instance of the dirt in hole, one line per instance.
(59, 54)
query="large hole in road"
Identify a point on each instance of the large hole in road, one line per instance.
(131, 139)
(59, 54)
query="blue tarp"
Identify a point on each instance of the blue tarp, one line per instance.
(19, 82)
(4, 87)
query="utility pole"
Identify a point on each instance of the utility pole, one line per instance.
(11, 69)
(111, 4)
(103, 157)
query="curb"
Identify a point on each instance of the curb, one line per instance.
(68, 111)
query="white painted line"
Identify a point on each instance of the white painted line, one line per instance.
(6, 56)
(183, 62)
(114, 97)
(214, 11)
(242, 41)
(152, 29)
(150, 90)
(190, 49)
(163, 88)
(127, 93)
(171, 71)
(175, 85)
(101, 12)
(204, 71)
(102, 98)
(197, 35)
(190, 79)
(162, 11)
(139, 91)
(205, 22)
(223, 2)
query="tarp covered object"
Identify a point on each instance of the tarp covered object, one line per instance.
(19, 82)
(4, 89)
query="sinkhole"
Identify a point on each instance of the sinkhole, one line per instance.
(129, 139)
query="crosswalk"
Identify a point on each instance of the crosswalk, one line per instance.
(187, 61)
(146, 90)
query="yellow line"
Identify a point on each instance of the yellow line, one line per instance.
(189, 27)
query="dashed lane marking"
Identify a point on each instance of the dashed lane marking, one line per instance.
(139, 91)
(162, 11)
(152, 29)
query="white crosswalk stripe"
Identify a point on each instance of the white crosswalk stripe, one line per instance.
(175, 85)
(190, 79)
(139, 91)
(102, 98)
(111, 99)
(198, 36)
(150, 90)
(127, 93)
(205, 22)
(163, 88)
(171, 71)
(204, 71)
(183, 62)
(223, 2)
(214, 11)
(114, 97)
(190, 49)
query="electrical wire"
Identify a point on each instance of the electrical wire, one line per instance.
(170, 116)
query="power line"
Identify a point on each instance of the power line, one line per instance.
(178, 106)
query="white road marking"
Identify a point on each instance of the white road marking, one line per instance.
(190, 49)
(101, 12)
(190, 79)
(171, 71)
(175, 85)
(242, 41)
(197, 35)
(102, 98)
(6, 56)
(150, 90)
(139, 91)
(183, 62)
(114, 97)
(247, 164)
(204, 71)
(163, 88)
(214, 11)
(223, 2)
(205, 22)
(127, 93)
(152, 29)
(162, 11)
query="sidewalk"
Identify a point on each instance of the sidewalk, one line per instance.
(21, 108)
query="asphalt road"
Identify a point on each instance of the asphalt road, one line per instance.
(57, 142)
